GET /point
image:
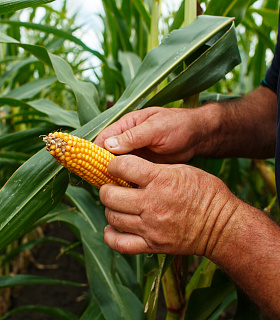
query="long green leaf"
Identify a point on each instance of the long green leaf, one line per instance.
(57, 115)
(139, 5)
(231, 8)
(30, 89)
(91, 211)
(130, 63)
(23, 197)
(270, 17)
(56, 313)
(92, 311)
(14, 5)
(221, 52)
(20, 136)
(26, 280)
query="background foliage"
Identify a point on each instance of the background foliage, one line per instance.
(47, 84)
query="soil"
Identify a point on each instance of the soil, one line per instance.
(66, 268)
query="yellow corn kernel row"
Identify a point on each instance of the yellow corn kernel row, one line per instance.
(82, 157)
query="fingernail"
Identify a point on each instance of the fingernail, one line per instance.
(112, 142)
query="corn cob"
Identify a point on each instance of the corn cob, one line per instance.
(82, 157)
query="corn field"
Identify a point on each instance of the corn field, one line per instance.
(204, 51)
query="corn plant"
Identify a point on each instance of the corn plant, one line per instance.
(38, 91)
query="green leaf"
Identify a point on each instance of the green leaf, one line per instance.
(229, 301)
(130, 63)
(30, 89)
(57, 115)
(179, 17)
(14, 5)
(139, 5)
(221, 51)
(14, 156)
(92, 311)
(115, 301)
(30, 193)
(270, 17)
(8, 75)
(26, 280)
(56, 313)
(20, 136)
(232, 8)
(119, 24)
(246, 309)
(210, 297)
(91, 211)
(28, 246)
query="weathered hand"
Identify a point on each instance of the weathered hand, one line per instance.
(158, 134)
(176, 209)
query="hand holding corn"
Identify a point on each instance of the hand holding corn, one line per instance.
(82, 157)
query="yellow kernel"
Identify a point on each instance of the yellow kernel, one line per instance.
(66, 138)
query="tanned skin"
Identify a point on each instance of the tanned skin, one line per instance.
(179, 209)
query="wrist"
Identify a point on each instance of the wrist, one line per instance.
(226, 221)
(209, 123)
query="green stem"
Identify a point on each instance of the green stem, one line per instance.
(172, 293)
(153, 40)
(201, 278)
(189, 16)
(190, 12)
(151, 312)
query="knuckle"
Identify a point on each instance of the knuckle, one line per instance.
(119, 245)
(105, 195)
(111, 217)
(129, 137)
(122, 164)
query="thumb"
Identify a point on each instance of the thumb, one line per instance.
(135, 138)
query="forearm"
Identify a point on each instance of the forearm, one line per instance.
(244, 127)
(248, 249)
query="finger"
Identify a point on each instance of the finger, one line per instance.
(124, 222)
(133, 169)
(125, 123)
(125, 243)
(121, 199)
(112, 130)
(137, 137)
